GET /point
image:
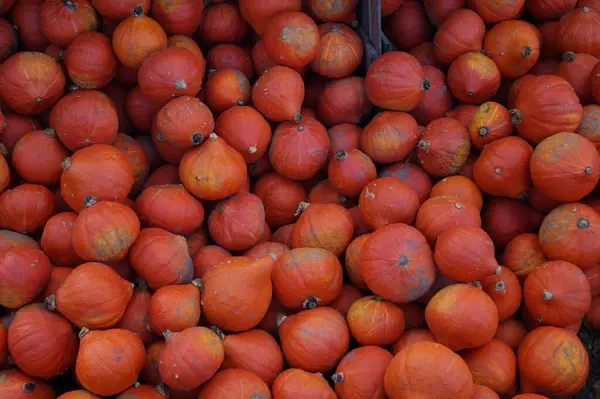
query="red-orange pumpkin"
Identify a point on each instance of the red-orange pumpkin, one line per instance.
(511, 332)
(182, 132)
(178, 17)
(473, 78)
(461, 32)
(437, 99)
(361, 372)
(443, 147)
(140, 109)
(459, 186)
(514, 46)
(463, 113)
(136, 315)
(350, 171)
(325, 193)
(343, 101)
(505, 289)
(412, 175)
(492, 12)
(262, 62)
(230, 56)
(8, 35)
(340, 51)
(258, 12)
(225, 89)
(142, 392)
(411, 337)
(90, 60)
(294, 382)
(577, 70)
(314, 339)
(10, 239)
(409, 26)
(346, 298)
(549, 9)
(63, 20)
(292, 39)
(280, 198)
(491, 122)
(579, 31)
(118, 10)
(18, 385)
(138, 159)
(590, 124)
(278, 94)
(208, 257)
(375, 321)
(505, 218)
(389, 137)
(253, 144)
(547, 32)
(150, 373)
(234, 383)
(25, 15)
(26, 208)
(593, 275)
(493, 365)
(343, 137)
(222, 23)
(352, 261)
(20, 283)
(388, 200)
(165, 175)
(175, 307)
(462, 316)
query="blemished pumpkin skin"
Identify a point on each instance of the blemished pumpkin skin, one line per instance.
(222, 23)
(142, 34)
(389, 137)
(343, 101)
(90, 60)
(25, 15)
(493, 12)
(340, 51)
(502, 168)
(229, 56)
(577, 70)
(256, 351)
(350, 171)
(299, 151)
(565, 167)
(557, 293)
(593, 275)
(234, 383)
(552, 361)
(511, 332)
(161, 258)
(141, 110)
(505, 290)
(135, 318)
(104, 232)
(31, 82)
(332, 11)
(577, 31)
(462, 32)
(397, 270)
(180, 131)
(26, 208)
(170, 207)
(304, 278)
(395, 81)
(388, 200)
(80, 182)
(262, 62)
(214, 170)
(360, 373)
(175, 308)
(375, 321)
(63, 21)
(225, 89)
(465, 254)
(493, 365)
(491, 122)
(352, 261)
(178, 18)
(92, 286)
(441, 373)
(18, 385)
(568, 233)
(314, 339)
(37, 156)
(327, 226)
(462, 187)
(473, 78)
(294, 382)
(34, 329)
(437, 99)
(280, 198)
(590, 124)
(549, 10)
(443, 147)
(99, 370)
(150, 373)
(514, 46)
(411, 174)
(462, 316)
(236, 294)
(291, 38)
(278, 94)
(253, 144)
(118, 10)
(505, 218)
(542, 106)
(411, 337)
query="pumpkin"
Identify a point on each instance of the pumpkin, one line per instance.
(236, 294)
(537, 111)
(483, 392)
(557, 293)
(465, 253)
(577, 32)
(118, 10)
(564, 167)
(186, 132)
(442, 373)
(389, 137)
(463, 113)
(294, 382)
(424, 54)
(62, 21)
(596, 83)
(459, 186)
(549, 9)
(590, 124)
(299, 151)
(437, 99)
(258, 12)
(5, 173)
(30, 82)
(343, 101)
(165, 175)
(325, 193)
(461, 32)
(346, 298)
(222, 23)
(350, 171)
(411, 337)
(493, 365)
(150, 373)
(361, 372)
(292, 38)
(388, 7)
(395, 81)
(314, 339)
(492, 12)
(222, 168)
(161, 258)
(175, 307)
(409, 26)
(343, 137)
(443, 147)
(397, 270)
(352, 261)
(10, 239)
(504, 219)
(280, 198)
(18, 385)
(374, 321)
(196, 240)
(229, 56)
(140, 109)
(80, 183)
(577, 70)
(388, 200)
(262, 62)
(592, 317)
(234, 383)
(143, 392)
(491, 122)
(179, 17)
(142, 34)
(333, 12)
(33, 323)
(254, 142)
(505, 290)
(90, 60)
(473, 78)
(102, 371)
(267, 248)
(57, 278)
(8, 35)
(511, 332)
(340, 51)
(225, 89)
(539, 201)
(137, 158)
(283, 234)
(326, 226)
(136, 315)
(278, 94)
(593, 275)
(412, 175)
(539, 358)
(26, 208)
(306, 278)
(25, 15)
(439, 12)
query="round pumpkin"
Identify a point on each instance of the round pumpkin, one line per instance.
(461, 32)
(62, 21)
(225, 89)
(37, 156)
(374, 321)
(175, 308)
(26, 208)
(491, 122)
(234, 383)
(291, 38)
(25, 15)
(340, 51)
(493, 365)
(388, 200)
(140, 109)
(412, 175)
(389, 137)
(443, 147)
(178, 18)
(222, 23)
(411, 337)
(229, 56)
(505, 290)
(343, 101)
(590, 124)
(514, 46)
(549, 10)
(511, 332)
(473, 78)
(459, 186)
(350, 171)
(505, 218)
(280, 198)
(21, 283)
(437, 99)
(578, 31)
(278, 94)
(136, 316)
(186, 132)
(361, 372)
(21, 386)
(294, 382)
(90, 60)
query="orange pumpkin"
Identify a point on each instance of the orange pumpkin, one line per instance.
(511, 332)
(26, 208)
(294, 382)
(593, 275)
(483, 392)
(314, 339)
(175, 307)
(473, 78)
(437, 99)
(230, 56)
(140, 109)
(225, 89)
(262, 62)
(37, 156)
(150, 373)
(90, 60)
(234, 383)
(389, 137)
(31, 82)
(411, 337)
(374, 321)
(140, 33)
(165, 175)
(504, 219)
(350, 171)
(577, 70)
(461, 187)
(442, 373)
(493, 365)
(343, 101)
(278, 94)
(461, 32)
(99, 369)
(491, 122)
(179, 17)
(137, 158)
(565, 167)
(143, 392)
(280, 198)
(62, 21)
(291, 38)
(443, 147)
(340, 51)
(186, 132)
(352, 261)
(360, 373)
(388, 200)
(267, 248)
(222, 23)
(540, 357)
(462, 316)
(254, 143)
(505, 289)
(397, 270)
(557, 293)
(395, 81)
(492, 12)
(208, 257)
(236, 295)
(161, 258)
(412, 175)
(18, 385)
(257, 12)
(590, 124)
(578, 32)
(136, 315)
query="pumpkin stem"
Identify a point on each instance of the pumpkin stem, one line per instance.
(522, 196)
(252, 149)
(583, 223)
(340, 155)
(498, 271)
(569, 56)
(83, 332)
(298, 119)
(526, 51)
(197, 138)
(50, 132)
(3, 150)
(498, 171)
(585, 9)
(167, 334)
(483, 131)
(343, 199)
(163, 390)
(403, 260)
(280, 319)
(89, 200)
(301, 207)
(180, 84)
(311, 302)
(240, 102)
(354, 24)
(212, 137)
(29, 387)
(137, 11)
(477, 284)
(516, 116)
(253, 167)
(499, 286)
(425, 84)
(140, 285)
(588, 170)
(73, 87)
(547, 295)
(198, 283)
(65, 163)
(338, 378)
(136, 384)
(378, 298)
(425, 145)
(218, 331)
(69, 4)
(334, 28)
(458, 205)
(50, 303)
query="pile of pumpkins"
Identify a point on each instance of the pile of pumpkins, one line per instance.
(211, 201)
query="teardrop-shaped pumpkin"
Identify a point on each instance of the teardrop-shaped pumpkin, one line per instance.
(136, 315)
(57, 241)
(253, 141)
(577, 70)
(578, 32)
(473, 78)
(461, 187)
(389, 137)
(278, 94)
(340, 51)
(175, 307)
(280, 198)
(505, 289)
(361, 372)
(225, 89)
(62, 21)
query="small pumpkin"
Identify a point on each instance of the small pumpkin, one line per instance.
(222, 23)
(340, 51)
(257, 12)
(278, 94)
(230, 56)
(577, 70)
(505, 218)
(63, 20)
(343, 101)
(389, 137)
(181, 132)
(294, 382)
(374, 321)
(291, 38)
(179, 17)
(234, 382)
(175, 307)
(514, 46)
(412, 175)
(361, 372)
(25, 15)
(26, 208)
(225, 89)
(136, 315)
(511, 332)
(437, 99)
(459, 186)
(493, 365)
(21, 386)
(577, 31)
(388, 200)
(463, 24)
(90, 60)
(411, 337)
(491, 122)
(443, 147)
(473, 78)
(280, 198)
(505, 289)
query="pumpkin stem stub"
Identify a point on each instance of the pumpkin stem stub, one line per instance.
(180, 84)
(588, 170)
(252, 149)
(499, 286)
(198, 283)
(83, 332)
(583, 223)
(219, 332)
(3, 150)
(516, 116)
(425, 84)
(50, 132)
(136, 384)
(569, 56)
(280, 319)
(163, 390)
(29, 387)
(65, 163)
(301, 208)
(50, 303)
(137, 11)
(458, 205)
(311, 302)
(89, 200)
(240, 102)
(424, 145)
(338, 378)
(298, 119)
(38, 100)
(334, 28)
(547, 295)
(167, 334)
(140, 285)
(197, 138)
(340, 155)
(526, 51)
(403, 260)
(483, 131)
(213, 136)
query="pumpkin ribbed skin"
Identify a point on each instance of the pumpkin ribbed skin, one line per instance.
(294, 382)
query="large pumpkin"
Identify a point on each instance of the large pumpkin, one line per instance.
(493, 365)
(361, 373)
(343, 101)
(294, 382)
(473, 78)
(278, 94)
(20, 282)
(62, 21)
(505, 289)
(389, 136)
(291, 38)
(26, 208)
(90, 60)
(491, 122)
(578, 31)
(182, 132)
(462, 32)
(340, 52)
(388, 200)
(443, 147)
